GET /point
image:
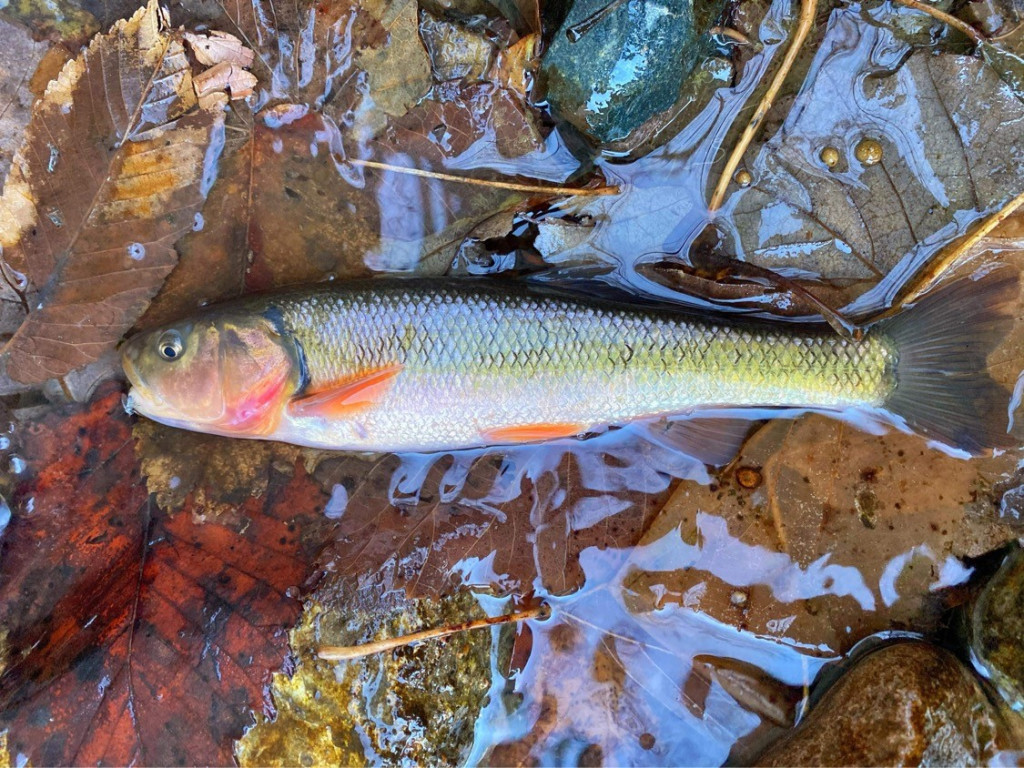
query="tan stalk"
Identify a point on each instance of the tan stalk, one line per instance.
(532, 189)
(808, 9)
(347, 652)
(945, 18)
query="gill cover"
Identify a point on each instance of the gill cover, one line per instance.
(229, 373)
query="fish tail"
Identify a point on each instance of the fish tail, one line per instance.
(943, 388)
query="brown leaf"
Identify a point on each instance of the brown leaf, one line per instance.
(219, 47)
(110, 175)
(509, 520)
(130, 635)
(224, 77)
(821, 534)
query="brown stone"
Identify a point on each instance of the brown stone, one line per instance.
(905, 704)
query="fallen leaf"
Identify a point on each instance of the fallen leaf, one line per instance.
(868, 536)
(100, 191)
(216, 47)
(19, 57)
(508, 521)
(132, 635)
(602, 686)
(224, 77)
(943, 162)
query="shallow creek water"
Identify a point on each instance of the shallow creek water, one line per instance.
(692, 609)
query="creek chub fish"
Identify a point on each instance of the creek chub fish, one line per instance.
(423, 365)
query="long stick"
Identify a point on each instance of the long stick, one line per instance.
(929, 273)
(533, 189)
(944, 17)
(347, 652)
(808, 9)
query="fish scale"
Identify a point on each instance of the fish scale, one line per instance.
(476, 358)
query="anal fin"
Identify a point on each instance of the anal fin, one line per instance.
(348, 397)
(713, 440)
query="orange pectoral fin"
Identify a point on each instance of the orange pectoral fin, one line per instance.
(532, 433)
(345, 398)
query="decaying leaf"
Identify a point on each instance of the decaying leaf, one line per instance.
(510, 520)
(820, 552)
(213, 475)
(918, 159)
(131, 635)
(219, 48)
(113, 169)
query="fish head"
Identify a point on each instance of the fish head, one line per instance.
(228, 372)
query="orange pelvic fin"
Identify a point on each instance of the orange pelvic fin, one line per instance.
(532, 433)
(347, 397)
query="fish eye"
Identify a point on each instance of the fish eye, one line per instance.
(170, 346)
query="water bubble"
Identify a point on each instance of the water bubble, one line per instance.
(174, 482)
(5, 442)
(292, 593)
(17, 465)
(198, 222)
(137, 251)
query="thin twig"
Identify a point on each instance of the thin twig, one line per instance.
(945, 18)
(347, 652)
(732, 34)
(926, 277)
(534, 189)
(808, 9)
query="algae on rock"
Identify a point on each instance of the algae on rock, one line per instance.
(415, 705)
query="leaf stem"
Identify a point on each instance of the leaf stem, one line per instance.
(536, 189)
(347, 652)
(808, 9)
(945, 18)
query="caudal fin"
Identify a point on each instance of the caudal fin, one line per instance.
(943, 388)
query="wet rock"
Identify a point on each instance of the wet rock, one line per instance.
(905, 704)
(415, 705)
(997, 629)
(609, 73)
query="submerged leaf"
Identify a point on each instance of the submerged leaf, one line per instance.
(819, 554)
(110, 175)
(917, 159)
(509, 521)
(330, 713)
(130, 635)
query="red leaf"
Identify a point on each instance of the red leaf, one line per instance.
(134, 636)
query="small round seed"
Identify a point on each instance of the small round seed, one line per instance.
(743, 178)
(868, 152)
(830, 156)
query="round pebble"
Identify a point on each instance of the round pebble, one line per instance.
(743, 178)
